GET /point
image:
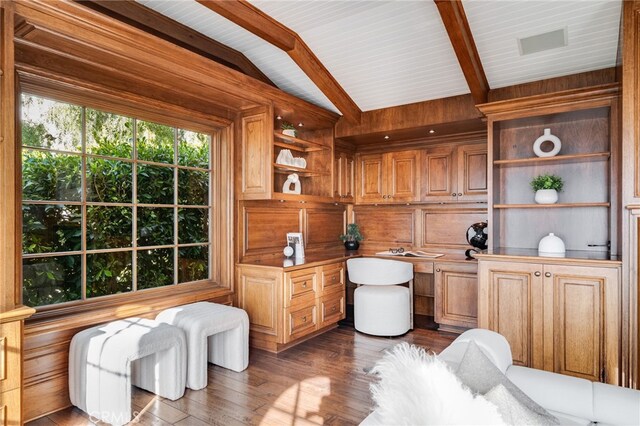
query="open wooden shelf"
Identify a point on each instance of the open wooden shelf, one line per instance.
(301, 197)
(549, 206)
(296, 144)
(562, 159)
(284, 169)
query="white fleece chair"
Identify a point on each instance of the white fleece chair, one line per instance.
(380, 307)
(104, 362)
(217, 333)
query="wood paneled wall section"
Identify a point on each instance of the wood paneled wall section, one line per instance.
(47, 340)
(263, 226)
(630, 125)
(426, 227)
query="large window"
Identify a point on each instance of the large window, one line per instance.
(111, 204)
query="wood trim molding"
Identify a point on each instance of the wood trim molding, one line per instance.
(457, 26)
(259, 23)
(150, 21)
(565, 100)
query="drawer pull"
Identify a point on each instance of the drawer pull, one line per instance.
(537, 273)
(304, 284)
(547, 274)
(333, 309)
(438, 270)
(304, 318)
(333, 278)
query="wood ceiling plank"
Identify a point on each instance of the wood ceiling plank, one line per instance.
(259, 23)
(457, 26)
(149, 20)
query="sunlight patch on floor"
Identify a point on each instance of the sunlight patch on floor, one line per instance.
(300, 404)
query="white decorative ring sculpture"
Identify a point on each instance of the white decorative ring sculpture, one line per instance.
(547, 137)
(294, 180)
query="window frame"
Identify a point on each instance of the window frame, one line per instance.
(217, 136)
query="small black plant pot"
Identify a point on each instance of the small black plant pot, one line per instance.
(351, 245)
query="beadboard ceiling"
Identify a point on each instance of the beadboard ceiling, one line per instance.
(388, 53)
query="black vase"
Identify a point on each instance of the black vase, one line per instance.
(351, 245)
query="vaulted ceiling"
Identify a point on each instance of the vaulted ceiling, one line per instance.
(388, 53)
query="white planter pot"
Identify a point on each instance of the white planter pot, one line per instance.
(289, 132)
(546, 196)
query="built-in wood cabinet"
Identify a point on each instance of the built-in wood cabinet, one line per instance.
(456, 295)
(344, 175)
(391, 177)
(557, 316)
(454, 173)
(263, 173)
(11, 332)
(584, 120)
(287, 305)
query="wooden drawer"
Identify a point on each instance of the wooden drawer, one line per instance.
(10, 356)
(332, 277)
(300, 322)
(331, 309)
(300, 287)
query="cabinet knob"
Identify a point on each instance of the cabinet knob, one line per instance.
(438, 270)
(459, 194)
(384, 197)
(333, 278)
(304, 284)
(547, 274)
(537, 273)
(453, 194)
(389, 196)
(333, 309)
(304, 318)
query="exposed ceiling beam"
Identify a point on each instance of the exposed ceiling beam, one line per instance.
(457, 26)
(155, 23)
(259, 23)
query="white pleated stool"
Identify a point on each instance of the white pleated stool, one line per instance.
(215, 333)
(381, 306)
(104, 362)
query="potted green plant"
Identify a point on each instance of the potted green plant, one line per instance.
(288, 129)
(547, 188)
(352, 237)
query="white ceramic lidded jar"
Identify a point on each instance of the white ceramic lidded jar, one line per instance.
(551, 246)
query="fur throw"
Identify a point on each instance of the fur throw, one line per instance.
(416, 388)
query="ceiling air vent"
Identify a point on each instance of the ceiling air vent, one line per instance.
(544, 41)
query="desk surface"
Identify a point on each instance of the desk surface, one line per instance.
(318, 259)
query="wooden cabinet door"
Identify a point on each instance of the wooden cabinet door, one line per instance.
(510, 303)
(438, 175)
(456, 295)
(260, 294)
(348, 177)
(371, 185)
(472, 172)
(402, 176)
(581, 332)
(337, 177)
(257, 154)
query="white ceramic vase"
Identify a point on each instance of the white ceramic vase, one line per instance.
(551, 246)
(546, 196)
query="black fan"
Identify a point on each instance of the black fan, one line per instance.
(477, 237)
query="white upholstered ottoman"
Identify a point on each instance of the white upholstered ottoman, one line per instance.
(104, 362)
(217, 333)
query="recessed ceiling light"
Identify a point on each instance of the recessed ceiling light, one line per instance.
(545, 41)
(300, 124)
(386, 136)
(431, 131)
(278, 118)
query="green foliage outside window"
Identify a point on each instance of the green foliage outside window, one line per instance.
(53, 168)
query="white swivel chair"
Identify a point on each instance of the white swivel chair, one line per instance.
(381, 307)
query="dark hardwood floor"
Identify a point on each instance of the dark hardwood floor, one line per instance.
(320, 381)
